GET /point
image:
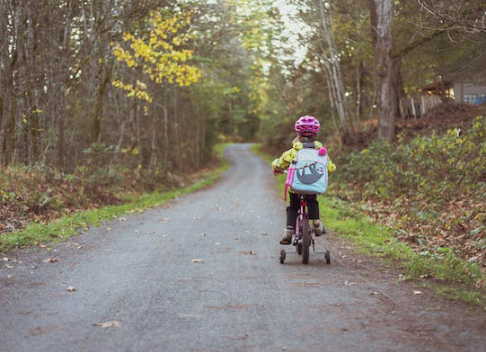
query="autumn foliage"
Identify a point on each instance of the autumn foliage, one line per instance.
(158, 54)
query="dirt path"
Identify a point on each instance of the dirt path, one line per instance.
(202, 274)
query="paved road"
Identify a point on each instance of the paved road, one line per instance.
(202, 274)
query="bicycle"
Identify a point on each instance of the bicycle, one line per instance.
(304, 236)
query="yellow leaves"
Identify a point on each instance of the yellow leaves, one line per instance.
(141, 85)
(156, 56)
(138, 91)
(123, 55)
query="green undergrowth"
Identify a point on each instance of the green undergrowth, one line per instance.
(67, 226)
(451, 275)
(433, 186)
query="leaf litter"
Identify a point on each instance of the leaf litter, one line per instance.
(109, 324)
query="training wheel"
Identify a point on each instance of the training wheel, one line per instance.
(328, 256)
(282, 256)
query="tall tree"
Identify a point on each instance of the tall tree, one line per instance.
(333, 71)
(381, 24)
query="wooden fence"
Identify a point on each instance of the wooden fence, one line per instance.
(417, 106)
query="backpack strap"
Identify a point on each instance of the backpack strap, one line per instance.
(309, 145)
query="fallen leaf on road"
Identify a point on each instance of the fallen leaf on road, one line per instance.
(264, 233)
(71, 288)
(375, 293)
(164, 220)
(349, 283)
(137, 231)
(250, 252)
(109, 324)
(123, 219)
(203, 234)
(5, 259)
(198, 261)
(50, 260)
(197, 218)
(417, 292)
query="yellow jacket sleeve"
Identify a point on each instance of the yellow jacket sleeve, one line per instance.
(284, 161)
(331, 167)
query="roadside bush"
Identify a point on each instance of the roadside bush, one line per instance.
(435, 185)
(427, 163)
(97, 168)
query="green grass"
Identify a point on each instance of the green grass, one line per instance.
(68, 226)
(456, 277)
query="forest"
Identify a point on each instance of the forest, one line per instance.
(100, 99)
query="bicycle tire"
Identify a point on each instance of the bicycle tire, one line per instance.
(282, 256)
(305, 242)
(328, 256)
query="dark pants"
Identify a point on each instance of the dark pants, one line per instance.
(293, 208)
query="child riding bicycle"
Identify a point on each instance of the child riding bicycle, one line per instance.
(306, 128)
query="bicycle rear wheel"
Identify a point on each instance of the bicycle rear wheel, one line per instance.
(305, 242)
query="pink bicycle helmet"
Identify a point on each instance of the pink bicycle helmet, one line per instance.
(307, 125)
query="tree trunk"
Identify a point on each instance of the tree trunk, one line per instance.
(106, 74)
(166, 129)
(359, 88)
(385, 68)
(334, 73)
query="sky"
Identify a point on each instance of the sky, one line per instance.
(293, 26)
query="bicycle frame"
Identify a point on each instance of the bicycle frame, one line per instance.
(304, 235)
(302, 216)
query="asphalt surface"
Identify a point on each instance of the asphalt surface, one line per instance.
(202, 274)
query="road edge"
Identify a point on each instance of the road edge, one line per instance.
(35, 234)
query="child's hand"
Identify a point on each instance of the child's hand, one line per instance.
(276, 169)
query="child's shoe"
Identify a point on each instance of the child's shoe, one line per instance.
(319, 229)
(287, 236)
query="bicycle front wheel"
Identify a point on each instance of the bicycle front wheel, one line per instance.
(305, 242)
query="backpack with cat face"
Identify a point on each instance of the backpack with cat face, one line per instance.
(308, 173)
